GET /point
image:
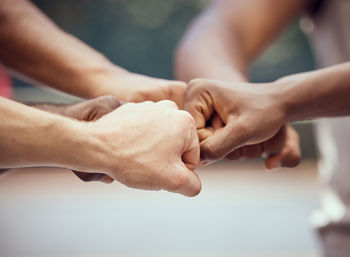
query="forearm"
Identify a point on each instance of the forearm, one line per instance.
(230, 34)
(33, 46)
(322, 93)
(210, 50)
(30, 137)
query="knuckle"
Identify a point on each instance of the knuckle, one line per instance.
(145, 95)
(141, 96)
(195, 86)
(168, 103)
(186, 121)
(186, 117)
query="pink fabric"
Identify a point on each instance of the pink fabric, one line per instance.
(5, 84)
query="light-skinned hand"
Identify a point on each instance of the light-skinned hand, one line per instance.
(149, 146)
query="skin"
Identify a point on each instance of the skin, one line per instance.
(88, 110)
(113, 145)
(222, 42)
(49, 56)
(35, 49)
(253, 113)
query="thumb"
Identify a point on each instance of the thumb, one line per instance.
(223, 141)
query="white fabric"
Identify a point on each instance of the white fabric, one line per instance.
(331, 44)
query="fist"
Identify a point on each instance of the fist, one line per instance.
(237, 120)
(149, 146)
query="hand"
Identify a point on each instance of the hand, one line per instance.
(149, 146)
(249, 114)
(133, 87)
(282, 150)
(92, 110)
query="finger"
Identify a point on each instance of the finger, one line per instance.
(168, 104)
(288, 159)
(107, 104)
(216, 122)
(107, 179)
(276, 144)
(94, 109)
(196, 110)
(111, 102)
(88, 177)
(290, 155)
(252, 151)
(198, 103)
(204, 133)
(224, 141)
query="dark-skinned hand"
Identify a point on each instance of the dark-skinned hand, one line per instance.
(238, 120)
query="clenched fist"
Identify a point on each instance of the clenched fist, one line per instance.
(147, 145)
(241, 119)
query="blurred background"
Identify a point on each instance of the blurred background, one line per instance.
(242, 210)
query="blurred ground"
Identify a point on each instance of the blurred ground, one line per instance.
(242, 211)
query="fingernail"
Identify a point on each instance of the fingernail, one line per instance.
(275, 165)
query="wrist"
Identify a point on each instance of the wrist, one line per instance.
(288, 98)
(99, 79)
(106, 83)
(73, 146)
(280, 96)
(99, 153)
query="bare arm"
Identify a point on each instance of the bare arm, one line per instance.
(125, 144)
(253, 113)
(88, 110)
(222, 42)
(30, 137)
(32, 46)
(35, 47)
(229, 34)
(321, 93)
